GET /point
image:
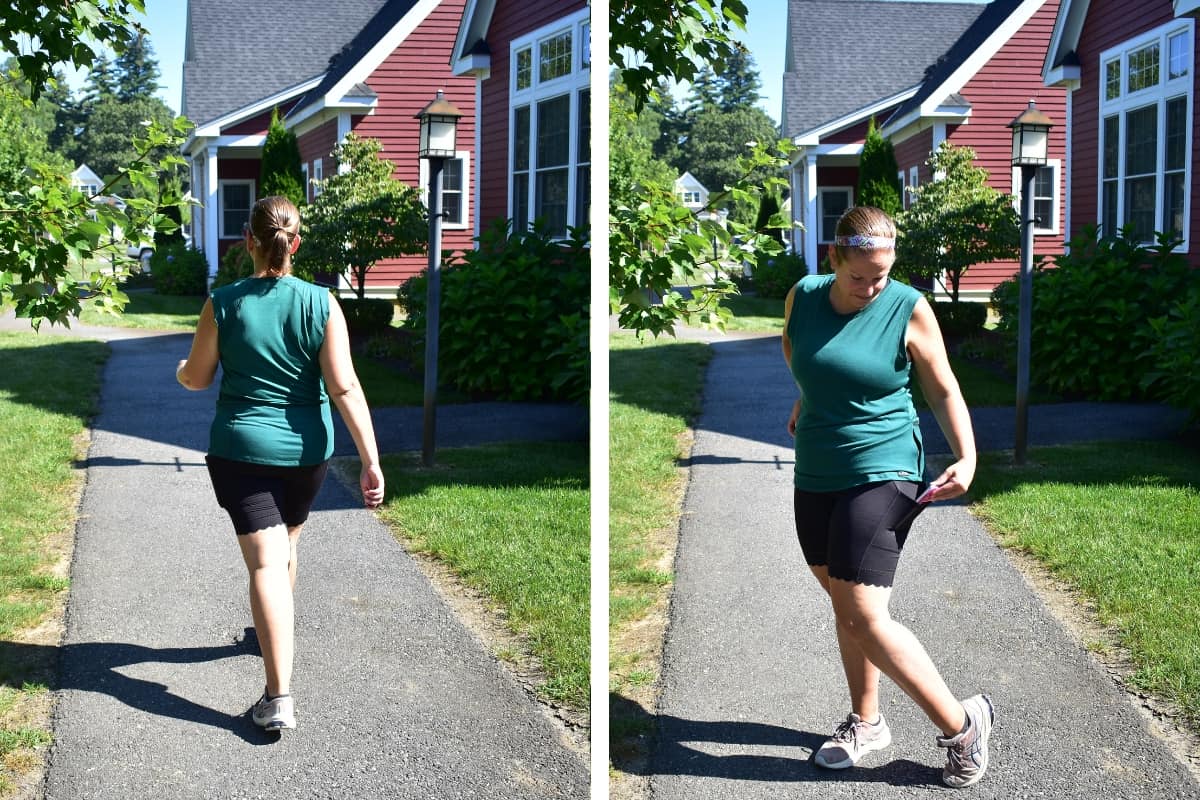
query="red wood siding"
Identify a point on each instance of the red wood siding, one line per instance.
(319, 143)
(855, 134)
(998, 93)
(406, 81)
(511, 20)
(914, 152)
(256, 124)
(1108, 24)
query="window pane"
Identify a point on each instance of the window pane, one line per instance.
(1139, 207)
(583, 196)
(1043, 212)
(584, 146)
(237, 196)
(521, 138)
(452, 207)
(1176, 133)
(524, 68)
(1173, 186)
(586, 56)
(1177, 48)
(553, 132)
(554, 57)
(452, 175)
(1143, 68)
(551, 201)
(235, 209)
(833, 205)
(1112, 80)
(520, 202)
(1108, 211)
(1043, 183)
(1141, 138)
(1112, 146)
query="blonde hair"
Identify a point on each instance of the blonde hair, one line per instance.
(274, 222)
(863, 221)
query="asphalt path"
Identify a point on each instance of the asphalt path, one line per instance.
(395, 697)
(752, 682)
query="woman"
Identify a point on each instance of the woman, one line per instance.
(851, 339)
(284, 353)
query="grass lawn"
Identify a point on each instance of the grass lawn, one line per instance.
(1118, 522)
(150, 311)
(48, 389)
(752, 313)
(512, 521)
(654, 396)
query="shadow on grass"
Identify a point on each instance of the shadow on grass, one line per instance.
(661, 377)
(97, 667)
(645, 743)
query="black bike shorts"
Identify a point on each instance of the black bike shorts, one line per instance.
(260, 496)
(854, 532)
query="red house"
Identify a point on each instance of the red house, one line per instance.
(1130, 74)
(936, 72)
(531, 63)
(331, 69)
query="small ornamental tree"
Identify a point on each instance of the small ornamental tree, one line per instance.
(878, 180)
(361, 217)
(955, 222)
(281, 173)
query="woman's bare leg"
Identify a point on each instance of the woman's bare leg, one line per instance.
(862, 677)
(266, 553)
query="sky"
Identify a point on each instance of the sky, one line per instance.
(166, 21)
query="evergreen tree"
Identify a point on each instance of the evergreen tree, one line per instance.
(281, 173)
(739, 83)
(136, 70)
(878, 178)
(715, 142)
(105, 144)
(102, 81)
(704, 94)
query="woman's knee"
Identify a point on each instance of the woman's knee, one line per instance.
(859, 609)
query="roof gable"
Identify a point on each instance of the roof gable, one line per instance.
(237, 53)
(1065, 38)
(1000, 20)
(472, 32)
(844, 56)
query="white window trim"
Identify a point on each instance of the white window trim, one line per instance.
(318, 175)
(221, 184)
(1056, 206)
(571, 84)
(849, 190)
(307, 187)
(1157, 96)
(465, 157)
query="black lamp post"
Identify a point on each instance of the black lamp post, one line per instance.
(439, 123)
(1030, 143)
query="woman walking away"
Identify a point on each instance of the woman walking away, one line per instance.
(284, 353)
(850, 340)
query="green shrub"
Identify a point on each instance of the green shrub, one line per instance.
(960, 320)
(1174, 355)
(368, 316)
(774, 275)
(178, 269)
(235, 265)
(514, 316)
(1092, 312)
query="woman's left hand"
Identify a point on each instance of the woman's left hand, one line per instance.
(955, 481)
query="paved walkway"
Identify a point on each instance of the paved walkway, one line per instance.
(751, 678)
(395, 698)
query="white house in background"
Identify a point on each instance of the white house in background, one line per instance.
(86, 181)
(691, 191)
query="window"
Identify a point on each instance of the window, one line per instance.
(1045, 196)
(901, 178)
(454, 189)
(307, 187)
(237, 197)
(832, 204)
(550, 175)
(318, 176)
(912, 184)
(1145, 149)
(691, 198)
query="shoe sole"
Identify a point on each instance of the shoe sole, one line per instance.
(878, 744)
(987, 731)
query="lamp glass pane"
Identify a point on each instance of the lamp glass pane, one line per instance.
(441, 135)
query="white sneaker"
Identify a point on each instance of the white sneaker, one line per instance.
(967, 753)
(851, 740)
(274, 714)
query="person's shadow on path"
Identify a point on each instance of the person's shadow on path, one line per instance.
(672, 753)
(95, 667)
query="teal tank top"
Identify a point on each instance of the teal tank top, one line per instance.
(272, 408)
(857, 423)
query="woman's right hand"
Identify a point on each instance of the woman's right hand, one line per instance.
(791, 426)
(371, 482)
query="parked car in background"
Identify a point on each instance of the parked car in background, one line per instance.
(140, 249)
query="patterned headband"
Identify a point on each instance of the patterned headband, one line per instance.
(867, 242)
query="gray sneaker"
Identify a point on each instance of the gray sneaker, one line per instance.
(967, 753)
(274, 714)
(851, 740)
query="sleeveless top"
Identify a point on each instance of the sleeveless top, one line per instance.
(273, 408)
(857, 423)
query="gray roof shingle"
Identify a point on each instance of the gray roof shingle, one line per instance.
(845, 55)
(238, 53)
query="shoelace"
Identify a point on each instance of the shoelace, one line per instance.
(847, 731)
